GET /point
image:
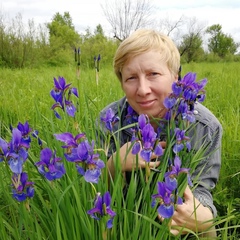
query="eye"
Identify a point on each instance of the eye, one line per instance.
(131, 78)
(153, 74)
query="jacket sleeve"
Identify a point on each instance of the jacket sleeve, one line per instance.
(110, 141)
(206, 174)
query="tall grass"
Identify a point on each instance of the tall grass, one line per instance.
(58, 210)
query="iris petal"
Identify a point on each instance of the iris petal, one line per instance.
(166, 211)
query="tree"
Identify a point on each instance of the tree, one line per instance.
(62, 38)
(220, 43)
(191, 43)
(97, 43)
(191, 47)
(99, 30)
(126, 16)
(62, 31)
(171, 27)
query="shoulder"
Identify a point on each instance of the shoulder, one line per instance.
(116, 107)
(207, 125)
(119, 110)
(206, 117)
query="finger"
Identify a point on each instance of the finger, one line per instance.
(163, 144)
(142, 164)
(154, 164)
(188, 191)
(188, 195)
(155, 158)
(160, 218)
(176, 229)
(174, 232)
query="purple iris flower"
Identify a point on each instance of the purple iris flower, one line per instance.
(16, 141)
(4, 146)
(177, 89)
(169, 102)
(182, 107)
(190, 94)
(25, 130)
(176, 169)
(193, 90)
(102, 208)
(132, 116)
(136, 147)
(17, 153)
(189, 116)
(180, 139)
(61, 93)
(70, 108)
(89, 165)
(166, 198)
(57, 115)
(99, 57)
(60, 84)
(65, 104)
(201, 97)
(185, 93)
(50, 165)
(69, 139)
(110, 119)
(74, 91)
(142, 121)
(189, 79)
(16, 160)
(58, 97)
(71, 142)
(22, 189)
(147, 140)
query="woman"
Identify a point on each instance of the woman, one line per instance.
(146, 64)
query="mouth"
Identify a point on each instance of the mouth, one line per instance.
(146, 104)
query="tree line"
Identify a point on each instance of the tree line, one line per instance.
(54, 43)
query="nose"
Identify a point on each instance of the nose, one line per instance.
(143, 87)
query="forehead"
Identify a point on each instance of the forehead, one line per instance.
(149, 60)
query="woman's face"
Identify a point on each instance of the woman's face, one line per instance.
(147, 81)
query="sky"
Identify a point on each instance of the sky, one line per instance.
(88, 13)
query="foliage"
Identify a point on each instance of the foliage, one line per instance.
(53, 43)
(95, 44)
(191, 48)
(220, 43)
(30, 100)
(62, 36)
(19, 47)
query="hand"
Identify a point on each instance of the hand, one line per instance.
(191, 215)
(130, 161)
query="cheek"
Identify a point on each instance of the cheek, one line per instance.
(123, 88)
(164, 89)
(128, 89)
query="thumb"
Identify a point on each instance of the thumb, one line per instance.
(154, 164)
(188, 195)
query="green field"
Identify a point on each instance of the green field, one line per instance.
(25, 96)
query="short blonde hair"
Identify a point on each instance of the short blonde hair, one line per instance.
(144, 40)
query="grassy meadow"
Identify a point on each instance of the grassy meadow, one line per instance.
(25, 96)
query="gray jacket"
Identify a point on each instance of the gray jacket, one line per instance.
(207, 130)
